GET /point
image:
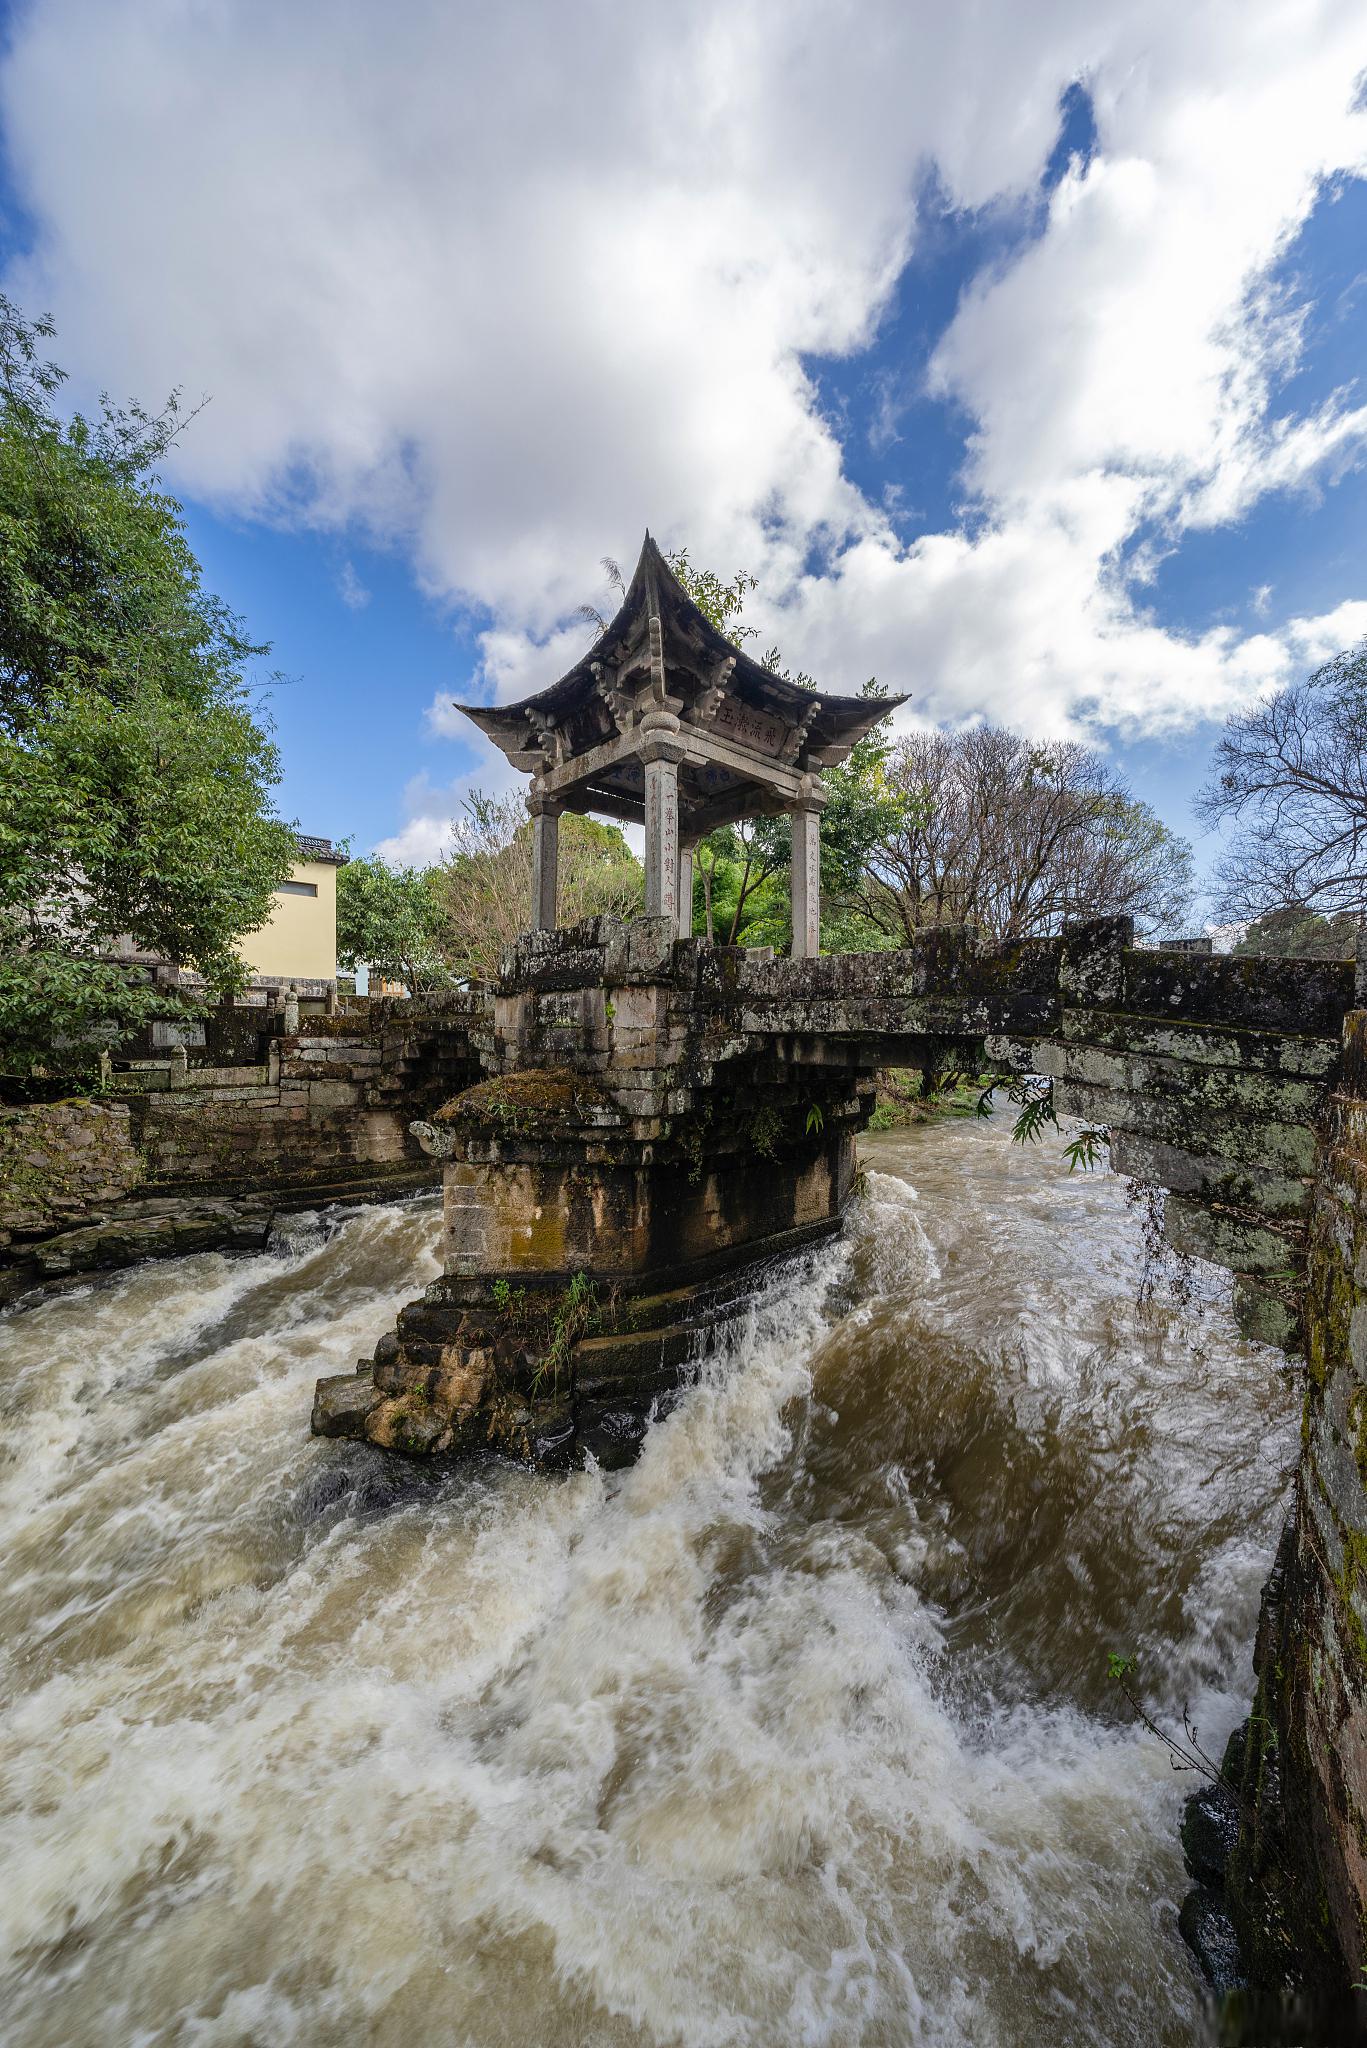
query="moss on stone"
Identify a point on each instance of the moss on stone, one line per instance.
(536, 1101)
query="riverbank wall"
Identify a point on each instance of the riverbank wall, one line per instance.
(175, 1157)
(1296, 1878)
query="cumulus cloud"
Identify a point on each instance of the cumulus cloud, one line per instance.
(504, 285)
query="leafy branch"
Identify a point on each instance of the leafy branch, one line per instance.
(1032, 1095)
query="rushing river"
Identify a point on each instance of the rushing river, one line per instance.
(798, 1732)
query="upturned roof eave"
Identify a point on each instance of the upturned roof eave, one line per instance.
(841, 716)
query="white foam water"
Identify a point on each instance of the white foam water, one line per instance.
(797, 1732)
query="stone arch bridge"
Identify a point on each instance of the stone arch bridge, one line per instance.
(656, 1114)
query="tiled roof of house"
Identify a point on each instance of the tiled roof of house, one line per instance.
(313, 848)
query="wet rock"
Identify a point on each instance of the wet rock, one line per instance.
(553, 1440)
(614, 1437)
(341, 1405)
(1210, 1827)
(410, 1422)
(1208, 1931)
(462, 1381)
(162, 1228)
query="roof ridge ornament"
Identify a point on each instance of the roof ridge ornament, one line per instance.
(657, 659)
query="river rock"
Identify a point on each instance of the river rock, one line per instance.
(1210, 1827)
(163, 1228)
(1208, 1931)
(341, 1404)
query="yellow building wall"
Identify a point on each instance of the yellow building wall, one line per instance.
(300, 940)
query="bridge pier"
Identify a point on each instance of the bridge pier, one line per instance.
(606, 1191)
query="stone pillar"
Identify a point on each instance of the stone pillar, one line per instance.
(661, 751)
(686, 847)
(545, 861)
(291, 1011)
(805, 879)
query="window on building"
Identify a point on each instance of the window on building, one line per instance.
(297, 889)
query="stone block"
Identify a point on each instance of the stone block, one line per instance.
(1193, 1126)
(1209, 1176)
(333, 1095)
(1265, 1315)
(641, 951)
(1304, 996)
(342, 1403)
(1093, 964)
(1246, 1048)
(1239, 1243)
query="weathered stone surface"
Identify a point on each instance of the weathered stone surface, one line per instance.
(1227, 1238)
(1210, 1828)
(1304, 996)
(1208, 1931)
(57, 1158)
(1268, 1314)
(341, 1129)
(1214, 1179)
(142, 1230)
(1297, 1875)
(341, 1405)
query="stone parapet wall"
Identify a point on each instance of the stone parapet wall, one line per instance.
(1210, 1073)
(335, 1098)
(1212, 1076)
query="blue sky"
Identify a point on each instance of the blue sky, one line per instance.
(1021, 358)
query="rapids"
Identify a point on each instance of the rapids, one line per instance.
(798, 1732)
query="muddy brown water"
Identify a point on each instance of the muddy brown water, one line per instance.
(798, 1732)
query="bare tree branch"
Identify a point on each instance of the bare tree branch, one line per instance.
(1291, 775)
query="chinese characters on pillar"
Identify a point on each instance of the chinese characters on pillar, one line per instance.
(805, 884)
(662, 838)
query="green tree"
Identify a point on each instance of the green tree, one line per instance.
(135, 780)
(484, 885)
(1298, 933)
(390, 920)
(740, 882)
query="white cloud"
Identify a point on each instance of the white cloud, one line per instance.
(425, 834)
(507, 284)
(351, 590)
